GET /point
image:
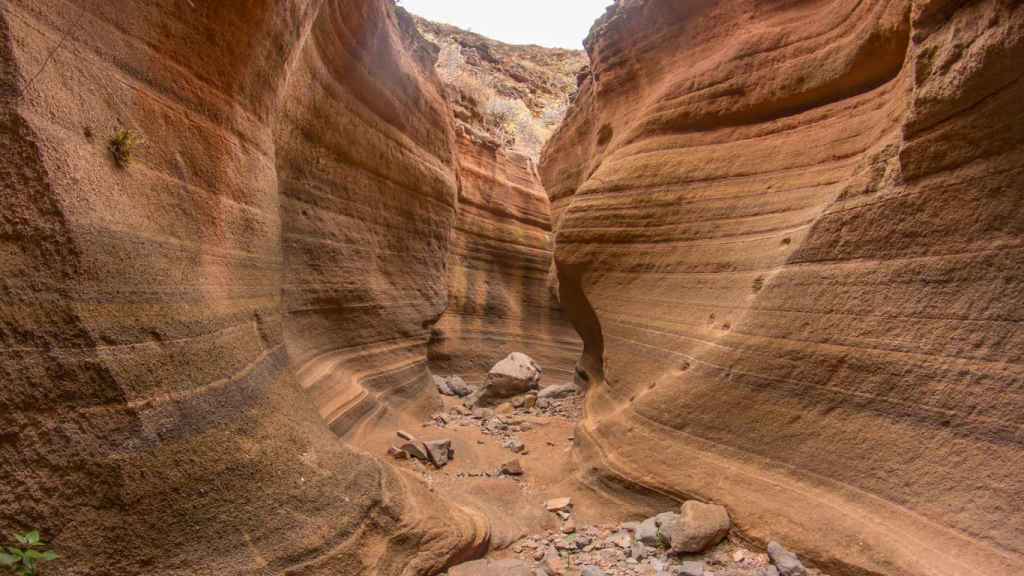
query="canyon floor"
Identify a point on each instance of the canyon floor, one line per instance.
(512, 462)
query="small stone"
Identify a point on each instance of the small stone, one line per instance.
(459, 387)
(406, 436)
(622, 539)
(647, 532)
(543, 403)
(558, 391)
(515, 445)
(414, 449)
(442, 386)
(691, 568)
(538, 555)
(482, 413)
(569, 527)
(398, 453)
(552, 563)
(583, 541)
(511, 468)
(558, 504)
(787, 562)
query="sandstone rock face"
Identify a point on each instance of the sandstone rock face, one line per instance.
(791, 236)
(160, 322)
(498, 268)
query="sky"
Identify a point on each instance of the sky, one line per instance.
(551, 23)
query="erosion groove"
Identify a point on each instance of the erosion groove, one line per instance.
(798, 237)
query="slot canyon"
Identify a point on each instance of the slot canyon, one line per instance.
(321, 287)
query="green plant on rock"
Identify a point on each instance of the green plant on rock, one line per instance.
(662, 541)
(23, 559)
(123, 145)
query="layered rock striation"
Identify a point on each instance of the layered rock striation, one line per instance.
(792, 237)
(498, 269)
(179, 334)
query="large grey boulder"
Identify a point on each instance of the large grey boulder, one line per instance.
(516, 374)
(787, 562)
(700, 527)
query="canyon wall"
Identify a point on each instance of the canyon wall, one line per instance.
(284, 227)
(792, 236)
(498, 270)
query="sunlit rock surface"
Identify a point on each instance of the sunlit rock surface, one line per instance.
(792, 236)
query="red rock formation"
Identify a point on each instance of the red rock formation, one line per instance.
(289, 212)
(498, 270)
(792, 235)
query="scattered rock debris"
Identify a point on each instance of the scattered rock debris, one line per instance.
(437, 452)
(635, 549)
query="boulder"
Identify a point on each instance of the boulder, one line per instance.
(700, 527)
(516, 374)
(557, 391)
(785, 561)
(439, 452)
(491, 568)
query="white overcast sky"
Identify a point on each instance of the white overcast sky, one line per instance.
(552, 23)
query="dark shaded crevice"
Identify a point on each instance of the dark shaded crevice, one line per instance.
(590, 368)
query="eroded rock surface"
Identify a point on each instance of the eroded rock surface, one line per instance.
(161, 321)
(498, 269)
(791, 235)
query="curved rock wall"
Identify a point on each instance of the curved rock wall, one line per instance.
(499, 301)
(289, 212)
(792, 236)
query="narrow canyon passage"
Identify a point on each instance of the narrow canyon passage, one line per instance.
(321, 287)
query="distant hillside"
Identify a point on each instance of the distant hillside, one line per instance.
(516, 94)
